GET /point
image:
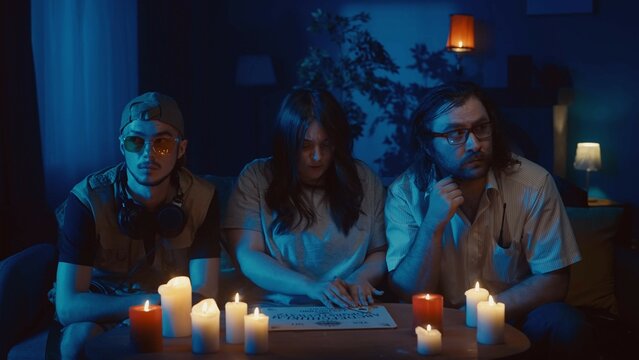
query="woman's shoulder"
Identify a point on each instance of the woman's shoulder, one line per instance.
(260, 167)
(367, 176)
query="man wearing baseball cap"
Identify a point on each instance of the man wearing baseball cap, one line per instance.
(129, 228)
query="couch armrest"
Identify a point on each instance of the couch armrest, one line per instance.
(626, 285)
(25, 279)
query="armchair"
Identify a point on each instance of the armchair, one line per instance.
(25, 279)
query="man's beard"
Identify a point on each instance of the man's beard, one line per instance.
(465, 173)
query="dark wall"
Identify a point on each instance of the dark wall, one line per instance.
(25, 218)
(189, 49)
(593, 49)
(193, 57)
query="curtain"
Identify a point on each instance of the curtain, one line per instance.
(86, 66)
(24, 216)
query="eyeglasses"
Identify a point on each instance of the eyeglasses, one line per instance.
(161, 145)
(460, 136)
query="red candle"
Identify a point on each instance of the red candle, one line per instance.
(428, 309)
(146, 327)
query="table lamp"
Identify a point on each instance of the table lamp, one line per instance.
(588, 157)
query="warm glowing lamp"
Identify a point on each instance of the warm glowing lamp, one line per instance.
(588, 157)
(461, 37)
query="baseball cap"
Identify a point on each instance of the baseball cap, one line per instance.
(153, 106)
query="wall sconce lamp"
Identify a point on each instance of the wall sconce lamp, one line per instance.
(588, 157)
(461, 36)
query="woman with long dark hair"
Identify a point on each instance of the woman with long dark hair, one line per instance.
(310, 219)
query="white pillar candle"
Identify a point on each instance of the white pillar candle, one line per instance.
(176, 307)
(490, 322)
(429, 340)
(205, 317)
(234, 320)
(255, 333)
(473, 297)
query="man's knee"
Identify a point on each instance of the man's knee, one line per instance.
(561, 319)
(75, 336)
(559, 328)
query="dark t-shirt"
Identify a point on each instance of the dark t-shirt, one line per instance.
(78, 243)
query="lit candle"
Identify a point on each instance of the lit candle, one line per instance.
(255, 333)
(234, 314)
(205, 317)
(490, 322)
(428, 309)
(429, 340)
(146, 327)
(176, 307)
(473, 297)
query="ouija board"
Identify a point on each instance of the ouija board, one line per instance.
(323, 318)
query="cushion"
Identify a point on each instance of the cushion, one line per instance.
(31, 348)
(223, 189)
(25, 279)
(232, 280)
(591, 280)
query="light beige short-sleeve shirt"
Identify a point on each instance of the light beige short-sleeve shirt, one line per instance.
(535, 224)
(321, 251)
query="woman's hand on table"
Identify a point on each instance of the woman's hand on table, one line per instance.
(362, 292)
(332, 293)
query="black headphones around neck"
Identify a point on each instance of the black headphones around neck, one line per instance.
(138, 223)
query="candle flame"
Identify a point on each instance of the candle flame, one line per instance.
(477, 285)
(237, 298)
(428, 328)
(461, 44)
(256, 313)
(491, 301)
(427, 296)
(146, 305)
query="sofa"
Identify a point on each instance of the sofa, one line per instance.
(604, 284)
(25, 311)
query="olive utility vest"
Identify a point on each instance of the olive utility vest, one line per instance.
(118, 253)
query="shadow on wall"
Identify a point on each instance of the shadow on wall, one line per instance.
(362, 66)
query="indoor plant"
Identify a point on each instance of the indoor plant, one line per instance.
(359, 64)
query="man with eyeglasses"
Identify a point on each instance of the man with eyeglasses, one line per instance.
(129, 228)
(469, 210)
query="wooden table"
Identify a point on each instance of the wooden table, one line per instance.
(458, 342)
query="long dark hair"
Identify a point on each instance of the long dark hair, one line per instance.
(342, 184)
(439, 101)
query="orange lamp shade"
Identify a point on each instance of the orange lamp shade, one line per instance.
(461, 36)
